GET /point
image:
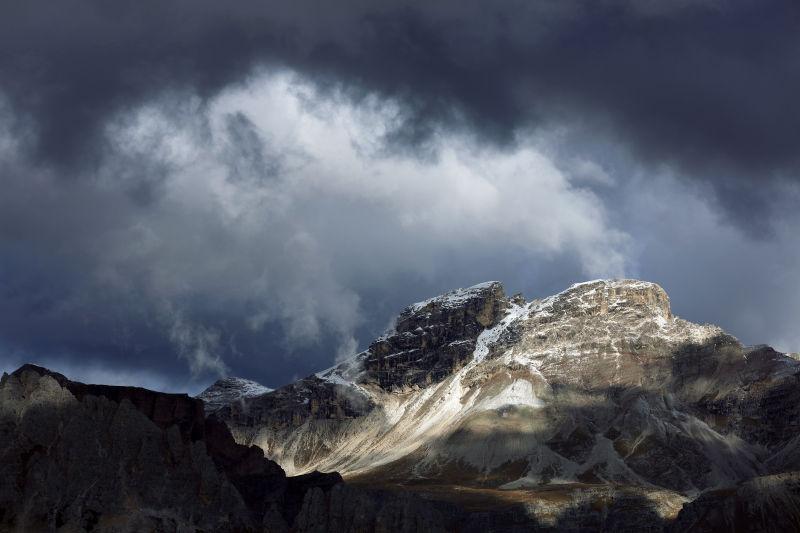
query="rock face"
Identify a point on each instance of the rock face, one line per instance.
(767, 503)
(230, 390)
(76, 457)
(433, 338)
(599, 385)
(91, 462)
(593, 409)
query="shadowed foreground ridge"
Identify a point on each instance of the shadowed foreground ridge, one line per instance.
(76, 457)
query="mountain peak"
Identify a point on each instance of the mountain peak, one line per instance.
(436, 336)
(228, 390)
(599, 383)
(457, 297)
(603, 296)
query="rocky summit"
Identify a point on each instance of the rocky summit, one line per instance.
(595, 409)
(230, 390)
(595, 397)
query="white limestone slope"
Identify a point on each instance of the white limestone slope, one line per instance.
(516, 413)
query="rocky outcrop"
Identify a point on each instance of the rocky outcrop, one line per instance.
(163, 409)
(593, 409)
(230, 390)
(76, 457)
(599, 385)
(430, 341)
(762, 504)
(433, 338)
(95, 463)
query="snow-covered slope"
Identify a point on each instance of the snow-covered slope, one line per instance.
(600, 383)
(230, 390)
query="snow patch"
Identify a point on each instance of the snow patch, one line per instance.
(519, 392)
(229, 390)
(490, 336)
(453, 299)
(347, 373)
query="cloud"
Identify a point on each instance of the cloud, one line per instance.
(214, 187)
(679, 84)
(713, 272)
(346, 349)
(270, 205)
(199, 345)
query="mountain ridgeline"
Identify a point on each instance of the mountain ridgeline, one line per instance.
(595, 409)
(77, 457)
(594, 394)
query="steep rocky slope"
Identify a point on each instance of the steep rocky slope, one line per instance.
(593, 409)
(599, 385)
(230, 390)
(765, 503)
(76, 457)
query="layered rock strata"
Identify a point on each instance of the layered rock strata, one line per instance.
(599, 385)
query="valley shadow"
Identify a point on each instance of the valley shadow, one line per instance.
(574, 508)
(638, 450)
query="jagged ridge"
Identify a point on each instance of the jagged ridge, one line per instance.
(229, 390)
(77, 457)
(599, 384)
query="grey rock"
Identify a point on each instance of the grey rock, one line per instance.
(600, 385)
(433, 338)
(763, 504)
(593, 409)
(230, 390)
(76, 457)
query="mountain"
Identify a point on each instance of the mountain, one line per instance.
(597, 388)
(595, 409)
(110, 459)
(230, 390)
(78, 457)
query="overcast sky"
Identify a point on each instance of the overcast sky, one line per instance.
(193, 189)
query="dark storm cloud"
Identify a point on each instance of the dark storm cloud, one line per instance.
(708, 86)
(276, 240)
(121, 248)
